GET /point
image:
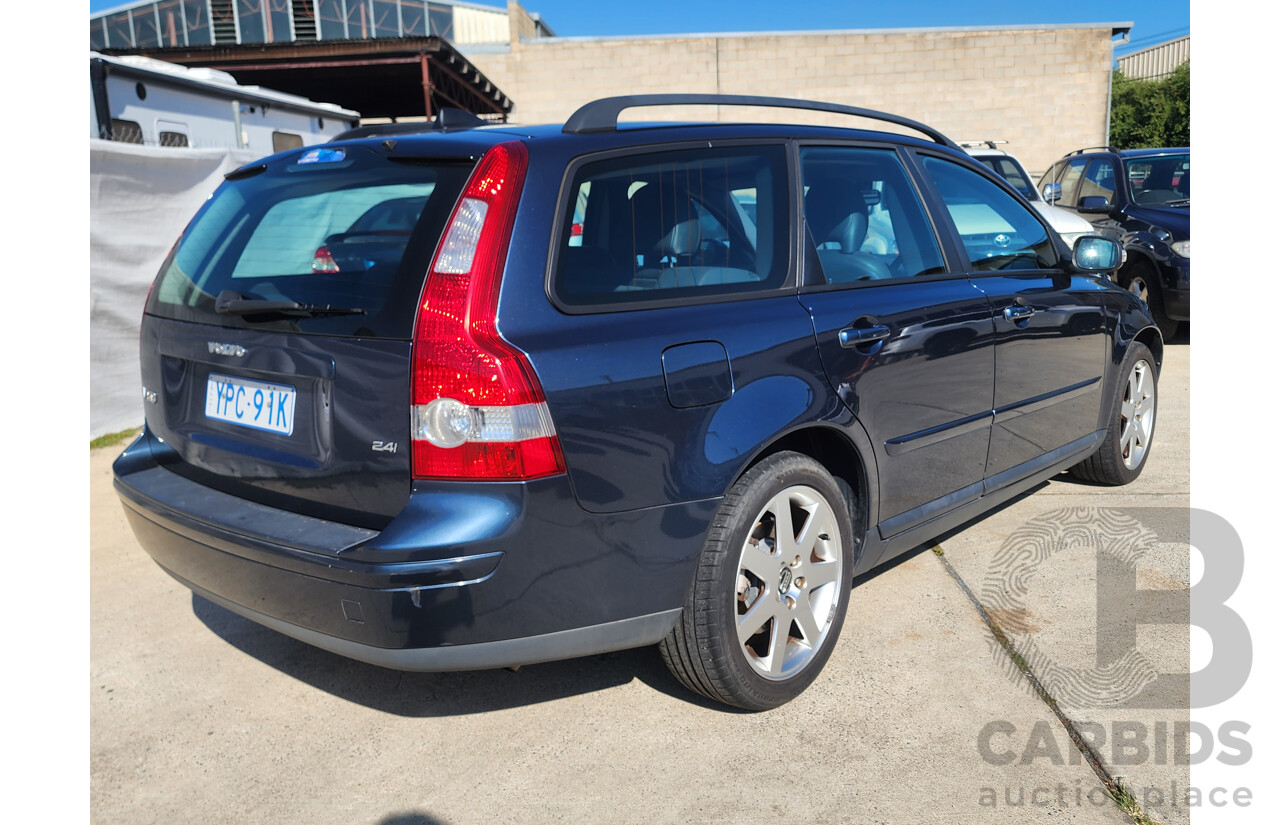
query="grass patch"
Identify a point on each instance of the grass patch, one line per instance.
(114, 438)
(937, 550)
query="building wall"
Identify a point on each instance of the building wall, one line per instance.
(473, 25)
(1045, 91)
(1156, 62)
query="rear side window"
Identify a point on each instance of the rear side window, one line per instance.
(674, 225)
(347, 229)
(864, 216)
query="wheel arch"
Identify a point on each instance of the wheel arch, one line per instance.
(841, 456)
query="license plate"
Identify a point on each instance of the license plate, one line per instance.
(250, 403)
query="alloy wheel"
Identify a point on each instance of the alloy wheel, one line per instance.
(1137, 415)
(788, 582)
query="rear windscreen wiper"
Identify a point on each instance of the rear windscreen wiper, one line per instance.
(1184, 202)
(229, 302)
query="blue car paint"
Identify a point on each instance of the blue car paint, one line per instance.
(616, 539)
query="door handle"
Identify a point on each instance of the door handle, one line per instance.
(857, 336)
(1018, 313)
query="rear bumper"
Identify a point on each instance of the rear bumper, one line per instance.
(468, 576)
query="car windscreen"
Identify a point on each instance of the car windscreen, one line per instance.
(1162, 180)
(332, 241)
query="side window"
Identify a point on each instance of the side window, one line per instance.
(671, 225)
(1070, 179)
(998, 232)
(1099, 180)
(865, 217)
(1049, 177)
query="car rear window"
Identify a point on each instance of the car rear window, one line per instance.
(674, 225)
(338, 227)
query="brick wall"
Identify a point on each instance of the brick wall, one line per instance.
(1043, 90)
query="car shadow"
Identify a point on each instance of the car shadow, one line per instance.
(442, 694)
(464, 692)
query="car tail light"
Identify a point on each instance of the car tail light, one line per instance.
(323, 261)
(478, 410)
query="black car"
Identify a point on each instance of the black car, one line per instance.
(1145, 194)
(670, 384)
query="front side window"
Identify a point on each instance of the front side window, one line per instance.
(1070, 180)
(1099, 181)
(865, 217)
(674, 225)
(1010, 171)
(997, 231)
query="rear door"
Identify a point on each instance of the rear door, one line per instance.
(276, 340)
(1050, 345)
(906, 343)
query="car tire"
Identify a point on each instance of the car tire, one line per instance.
(1141, 279)
(1131, 426)
(794, 591)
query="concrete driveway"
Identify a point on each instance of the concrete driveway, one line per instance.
(921, 716)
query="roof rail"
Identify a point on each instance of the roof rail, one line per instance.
(978, 144)
(1091, 149)
(602, 115)
(448, 119)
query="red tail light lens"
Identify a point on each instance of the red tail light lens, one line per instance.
(478, 410)
(323, 261)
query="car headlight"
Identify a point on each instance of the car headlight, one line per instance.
(1182, 248)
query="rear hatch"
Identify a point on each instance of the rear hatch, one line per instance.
(276, 344)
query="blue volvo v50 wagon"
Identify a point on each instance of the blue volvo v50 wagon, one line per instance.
(479, 396)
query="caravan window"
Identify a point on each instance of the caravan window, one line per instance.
(125, 131)
(285, 140)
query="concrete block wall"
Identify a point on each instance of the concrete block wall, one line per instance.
(1044, 90)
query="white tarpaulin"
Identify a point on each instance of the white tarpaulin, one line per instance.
(140, 199)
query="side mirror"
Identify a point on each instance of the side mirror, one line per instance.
(1093, 205)
(1052, 192)
(1094, 253)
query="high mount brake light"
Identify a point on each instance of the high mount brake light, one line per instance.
(478, 410)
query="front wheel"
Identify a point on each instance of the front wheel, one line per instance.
(1142, 282)
(1132, 424)
(771, 589)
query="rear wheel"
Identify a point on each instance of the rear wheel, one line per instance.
(771, 589)
(1124, 451)
(1141, 280)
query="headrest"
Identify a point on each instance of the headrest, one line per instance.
(851, 232)
(683, 239)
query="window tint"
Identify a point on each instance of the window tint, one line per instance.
(1071, 177)
(357, 233)
(1099, 180)
(864, 216)
(1165, 179)
(998, 232)
(674, 225)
